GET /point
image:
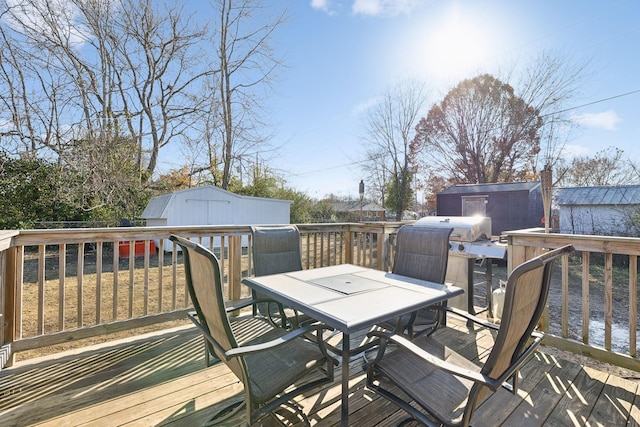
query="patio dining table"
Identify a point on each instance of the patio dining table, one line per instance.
(351, 298)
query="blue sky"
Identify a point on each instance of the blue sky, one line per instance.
(342, 54)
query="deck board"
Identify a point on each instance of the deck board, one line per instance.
(577, 403)
(614, 403)
(161, 379)
(539, 402)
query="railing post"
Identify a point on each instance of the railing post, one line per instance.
(348, 241)
(235, 266)
(8, 305)
(384, 249)
(633, 307)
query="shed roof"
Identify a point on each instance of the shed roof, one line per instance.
(604, 195)
(156, 206)
(491, 188)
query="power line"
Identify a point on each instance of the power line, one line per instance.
(576, 107)
(344, 165)
(593, 103)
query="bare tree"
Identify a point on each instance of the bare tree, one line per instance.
(30, 93)
(607, 167)
(100, 87)
(248, 65)
(165, 66)
(86, 82)
(105, 69)
(549, 83)
(388, 130)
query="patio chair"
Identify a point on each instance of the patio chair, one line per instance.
(267, 364)
(276, 249)
(422, 253)
(445, 386)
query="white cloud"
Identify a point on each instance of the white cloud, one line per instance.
(48, 17)
(383, 7)
(367, 7)
(365, 105)
(607, 120)
(323, 5)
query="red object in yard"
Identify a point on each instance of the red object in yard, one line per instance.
(138, 249)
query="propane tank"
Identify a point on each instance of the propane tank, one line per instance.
(497, 298)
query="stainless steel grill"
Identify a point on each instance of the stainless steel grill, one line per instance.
(470, 241)
(465, 228)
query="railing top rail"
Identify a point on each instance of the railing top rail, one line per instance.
(536, 237)
(108, 234)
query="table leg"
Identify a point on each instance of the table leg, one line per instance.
(344, 411)
(471, 264)
(488, 277)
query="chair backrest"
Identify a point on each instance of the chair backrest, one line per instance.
(422, 252)
(525, 299)
(204, 282)
(275, 249)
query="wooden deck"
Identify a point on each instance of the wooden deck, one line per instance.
(161, 379)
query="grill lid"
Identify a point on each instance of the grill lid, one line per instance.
(465, 228)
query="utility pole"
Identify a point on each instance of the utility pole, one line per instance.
(361, 191)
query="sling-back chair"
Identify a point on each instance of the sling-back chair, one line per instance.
(276, 249)
(422, 253)
(267, 364)
(446, 387)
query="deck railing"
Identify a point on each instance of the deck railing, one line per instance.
(60, 285)
(63, 285)
(597, 303)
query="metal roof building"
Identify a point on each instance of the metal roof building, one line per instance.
(605, 210)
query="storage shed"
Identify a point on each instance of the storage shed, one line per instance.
(209, 205)
(604, 210)
(511, 205)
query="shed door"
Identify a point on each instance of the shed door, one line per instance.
(474, 205)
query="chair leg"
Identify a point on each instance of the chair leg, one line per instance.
(235, 408)
(297, 409)
(225, 413)
(209, 357)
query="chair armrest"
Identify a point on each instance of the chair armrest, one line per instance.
(237, 304)
(296, 333)
(471, 317)
(241, 351)
(439, 363)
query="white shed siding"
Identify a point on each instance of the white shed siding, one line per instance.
(156, 222)
(604, 210)
(591, 219)
(210, 205)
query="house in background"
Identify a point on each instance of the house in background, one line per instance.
(209, 205)
(358, 211)
(510, 205)
(608, 211)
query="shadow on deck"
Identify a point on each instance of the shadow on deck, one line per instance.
(161, 379)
